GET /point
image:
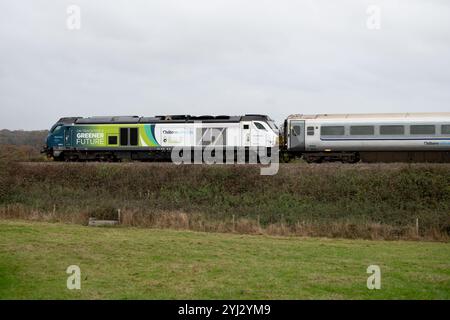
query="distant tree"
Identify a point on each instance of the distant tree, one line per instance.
(23, 138)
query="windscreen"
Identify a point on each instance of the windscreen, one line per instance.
(272, 125)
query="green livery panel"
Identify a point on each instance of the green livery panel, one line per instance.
(107, 135)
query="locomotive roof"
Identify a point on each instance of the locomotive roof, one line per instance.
(370, 116)
(162, 119)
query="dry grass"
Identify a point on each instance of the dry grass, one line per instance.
(197, 222)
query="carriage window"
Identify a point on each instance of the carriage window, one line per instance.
(428, 129)
(112, 140)
(362, 130)
(332, 130)
(260, 126)
(445, 129)
(134, 136)
(392, 130)
(310, 131)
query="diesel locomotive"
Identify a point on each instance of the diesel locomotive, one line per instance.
(151, 138)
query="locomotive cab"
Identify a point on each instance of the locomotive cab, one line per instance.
(259, 130)
(58, 137)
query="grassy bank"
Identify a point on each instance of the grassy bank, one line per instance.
(351, 201)
(125, 263)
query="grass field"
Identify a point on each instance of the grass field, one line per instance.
(129, 263)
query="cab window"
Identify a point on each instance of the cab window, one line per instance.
(260, 126)
(56, 128)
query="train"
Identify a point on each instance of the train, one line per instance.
(347, 138)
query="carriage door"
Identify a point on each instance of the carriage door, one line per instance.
(297, 135)
(245, 133)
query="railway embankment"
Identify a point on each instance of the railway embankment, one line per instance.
(370, 201)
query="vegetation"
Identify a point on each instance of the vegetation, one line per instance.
(23, 138)
(21, 153)
(22, 145)
(129, 263)
(351, 201)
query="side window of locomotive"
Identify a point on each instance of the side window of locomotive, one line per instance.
(123, 136)
(445, 129)
(310, 131)
(392, 130)
(112, 140)
(362, 130)
(260, 126)
(332, 130)
(246, 127)
(129, 136)
(212, 136)
(423, 129)
(219, 136)
(134, 136)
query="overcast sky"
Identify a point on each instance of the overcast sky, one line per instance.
(199, 57)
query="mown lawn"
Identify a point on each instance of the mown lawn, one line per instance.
(128, 263)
